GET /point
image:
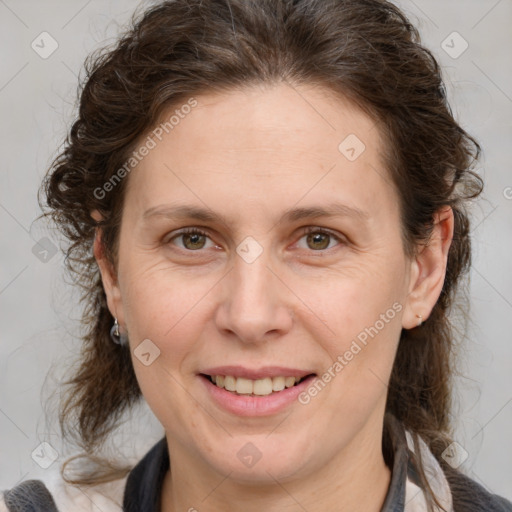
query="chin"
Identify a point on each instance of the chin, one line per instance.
(258, 461)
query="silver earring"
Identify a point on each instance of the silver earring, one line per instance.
(116, 336)
(420, 319)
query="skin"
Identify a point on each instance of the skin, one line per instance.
(250, 155)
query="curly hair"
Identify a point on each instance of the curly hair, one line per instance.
(364, 50)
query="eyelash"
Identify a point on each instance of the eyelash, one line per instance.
(306, 231)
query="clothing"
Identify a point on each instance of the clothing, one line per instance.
(140, 491)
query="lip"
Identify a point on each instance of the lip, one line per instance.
(255, 374)
(250, 406)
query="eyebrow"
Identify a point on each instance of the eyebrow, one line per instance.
(291, 215)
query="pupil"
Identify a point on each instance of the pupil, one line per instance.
(316, 238)
(194, 238)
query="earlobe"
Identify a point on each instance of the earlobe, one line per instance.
(412, 301)
(108, 277)
(428, 270)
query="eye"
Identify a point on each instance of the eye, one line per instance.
(193, 239)
(319, 239)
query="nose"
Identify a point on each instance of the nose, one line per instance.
(256, 304)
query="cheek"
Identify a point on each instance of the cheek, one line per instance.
(358, 324)
(360, 345)
(158, 299)
(348, 301)
(166, 308)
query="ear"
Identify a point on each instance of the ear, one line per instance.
(108, 275)
(428, 270)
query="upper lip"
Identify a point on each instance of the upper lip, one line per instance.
(255, 374)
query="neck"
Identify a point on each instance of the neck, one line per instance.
(355, 479)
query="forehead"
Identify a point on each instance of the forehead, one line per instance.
(281, 117)
(265, 145)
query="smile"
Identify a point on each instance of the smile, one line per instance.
(259, 387)
(260, 397)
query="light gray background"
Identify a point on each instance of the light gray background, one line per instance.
(38, 310)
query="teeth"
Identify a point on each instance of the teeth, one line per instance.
(278, 383)
(230, 383)
(289, 382)
(261, 387)
(243, 386)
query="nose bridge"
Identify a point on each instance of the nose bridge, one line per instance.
(252, 283)
(255, 304)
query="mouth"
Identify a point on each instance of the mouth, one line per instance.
(256, 388)
(268, 391)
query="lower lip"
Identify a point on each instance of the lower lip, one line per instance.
(247, 405)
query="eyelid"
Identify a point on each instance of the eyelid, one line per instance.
(319, 229)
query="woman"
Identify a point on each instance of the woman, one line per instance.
(265, 202)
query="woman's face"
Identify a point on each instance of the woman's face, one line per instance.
(255, 291)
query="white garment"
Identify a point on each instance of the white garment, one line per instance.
(414, 496)
(69, 498)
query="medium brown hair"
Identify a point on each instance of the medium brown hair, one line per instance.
(365, 50)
